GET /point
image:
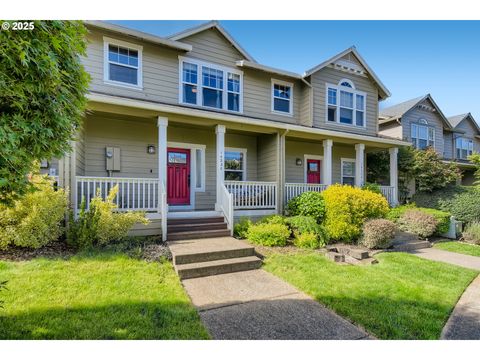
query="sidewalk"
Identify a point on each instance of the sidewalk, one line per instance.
(466, 261)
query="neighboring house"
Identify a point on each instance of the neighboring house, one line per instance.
(421, 122)
(230, 136)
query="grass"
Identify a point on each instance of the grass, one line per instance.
(402, 297)
(459, 247)
(95, 296)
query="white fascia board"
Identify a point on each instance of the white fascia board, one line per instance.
(257, 66)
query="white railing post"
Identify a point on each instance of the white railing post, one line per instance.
(220, 154)
(394, 174)
(327, 162)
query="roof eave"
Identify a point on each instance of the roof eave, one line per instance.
(268, 69)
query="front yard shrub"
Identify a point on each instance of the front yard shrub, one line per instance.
(442, 217)
(307, 225)
(471, 234)
(101, 224)
(372, 187)
(347, 208)
(418, 222)
(309, 203)
(35, 219)
(378, 233)
(274, 219)
(240, 230)
(307, 240)
(268, 234)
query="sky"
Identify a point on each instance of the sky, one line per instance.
(412, 58)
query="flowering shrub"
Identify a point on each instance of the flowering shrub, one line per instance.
(418, 222)
(268, 234)
(347, 208)
(378, 233)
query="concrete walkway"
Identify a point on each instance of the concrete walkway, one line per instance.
(466, 261)
(257, 305)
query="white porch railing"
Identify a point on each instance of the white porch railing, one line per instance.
(226, 204)
(253, 194)
(389, 193)
(295, 189)
(133, 193)
(163, 210)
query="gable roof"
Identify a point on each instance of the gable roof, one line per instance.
(457, 119)
(384, 92)
(212, 25)
(397, 111)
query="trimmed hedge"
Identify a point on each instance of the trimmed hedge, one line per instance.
(442, 217)
(268, 234)
(378, 233)
(417, 222)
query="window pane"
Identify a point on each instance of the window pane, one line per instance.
(332, 96)
(189, 94)
(113, 53)
(422, 143)
(177, 158)
(414, 131)
(123, 74)
(332, 114)
(281, 105)
(281, 91)
(346, 99)
(212, 77)
(431, 133)
(359, 118)
(464, 153)
(123, 55)
(348, 181)
(198, 172)
(212, 98)
(346, 116)
(346, 83)
(233, 160)
(189, 73)
(348, 168)
(423, 132)
(233, 175)
(360, 102)
(233, 102)
(233, 82)
(459, 153)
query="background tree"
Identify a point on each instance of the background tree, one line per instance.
(42, 98)
(475, 160)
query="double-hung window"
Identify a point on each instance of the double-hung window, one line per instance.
(464, 148)
(345, 104)
(235, 164)
(282, 97)
(122, 63)
(423, 136)
(210, 86)
(348, 172)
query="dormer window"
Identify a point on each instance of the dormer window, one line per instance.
(122, 63)
(345, 104)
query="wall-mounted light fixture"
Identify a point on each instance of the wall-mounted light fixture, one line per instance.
(299, 162)
(151, 149)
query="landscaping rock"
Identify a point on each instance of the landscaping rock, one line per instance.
(155, 252)
(356, 253)
(336, 257)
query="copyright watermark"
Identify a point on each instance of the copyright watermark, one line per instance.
(18, 25)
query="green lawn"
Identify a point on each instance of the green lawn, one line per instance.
(458, 247)
(96, 296)
(402, 297)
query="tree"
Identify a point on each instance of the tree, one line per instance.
(42, 98)
(475, 160)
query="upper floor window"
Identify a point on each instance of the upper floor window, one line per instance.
(210, 85)
(423, 136)
(282, 97)
(345, 104)
(464, 148)
(122, 63)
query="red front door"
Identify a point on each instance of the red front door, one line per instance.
(313, 171)
(178, 176)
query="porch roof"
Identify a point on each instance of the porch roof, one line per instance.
(302, 131)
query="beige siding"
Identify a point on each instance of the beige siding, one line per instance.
(362, 83)
(268, 158)
(339, 152)
(248, 143)
(305, 100)
(80, 152)
(433, 119)
(296, 150)
(392, 129)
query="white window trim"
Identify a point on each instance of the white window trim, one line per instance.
(109, 41)
(283, 83)
(311, 157)
(423, 123)
(241, 150)
(347, 81)
(199, 84)
(193, 164)
(469, 141)
(342, 160)
(355, 92)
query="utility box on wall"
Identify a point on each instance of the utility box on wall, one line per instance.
(112, 155)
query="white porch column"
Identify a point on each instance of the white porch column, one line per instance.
(359, 165)
(162, 124)
(327, 162)
(394, 173)
(220, 149)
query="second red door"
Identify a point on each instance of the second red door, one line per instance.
(313, 171)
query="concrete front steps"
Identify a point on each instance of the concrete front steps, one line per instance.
(408, 242)
(196, 228)
(194, 258)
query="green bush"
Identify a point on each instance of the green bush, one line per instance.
(300, 225)
(35, 219)
(372, 187)
(471, 234)
(268, 234)
(418, 222)
(347, 208)
(378, 233)
(309, 203)
(101, 224)
(273, 219)
(240, 230)
(307, 240)
(442, 217)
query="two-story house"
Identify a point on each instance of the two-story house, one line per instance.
(192, 126)
(422, 122)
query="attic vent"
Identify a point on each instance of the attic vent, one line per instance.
(426, 108)
(348, 66)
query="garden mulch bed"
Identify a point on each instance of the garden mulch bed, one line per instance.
(57, 249)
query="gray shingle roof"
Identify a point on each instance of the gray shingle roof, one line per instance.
(455, 120)
(396, 111)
